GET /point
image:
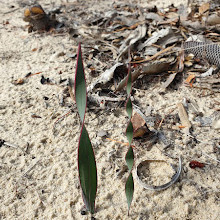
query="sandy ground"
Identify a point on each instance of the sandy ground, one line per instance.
(50, 189)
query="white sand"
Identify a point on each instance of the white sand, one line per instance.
(51, 189)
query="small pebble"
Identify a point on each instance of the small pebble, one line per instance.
(102, 133)
(56, 55)
(216, 125)
(83, 212)
(2, 107)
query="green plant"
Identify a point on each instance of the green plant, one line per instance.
(86, 157)
(129, 186)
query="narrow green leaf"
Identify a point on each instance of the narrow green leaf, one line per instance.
(129, 133)
(130, 158)
(129, 190)
(129, 81)
(80, 86)
(129, 107)
(129, 186)
(86, 157)
(87, 170)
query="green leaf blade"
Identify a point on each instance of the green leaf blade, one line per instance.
(129, 186)
(80, 86)
(129, 190)
(86, 158)
(129, 81)
(130, 158)
(129, 107)
(129, 132)
(87, 170)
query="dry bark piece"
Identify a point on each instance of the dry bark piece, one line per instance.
(183, 116)
(185, 123)
(35, 116)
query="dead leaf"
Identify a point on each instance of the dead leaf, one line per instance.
(134, 36)
(204, 8)
(213, 19)
(105, 77)
(139, 125)
(155, 37)
(190, 79)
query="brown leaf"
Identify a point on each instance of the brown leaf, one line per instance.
(204, 8)
(137, 121)
(139, 125)
(190, 79)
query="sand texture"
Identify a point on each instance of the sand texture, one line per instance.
(39, 175)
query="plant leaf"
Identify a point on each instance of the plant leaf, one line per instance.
(129, 190)
(129, 81)
(129, 186)
(129, 107)
(129, 133)
(130, 158)
(86, 157)
(80, 86)
(87, 170)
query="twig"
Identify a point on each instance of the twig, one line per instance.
(10, 145)
(3, 142)
(11, 11)
(210, 157)
(23, 175)
(61, 118)
(162, 120)
(155, 55)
